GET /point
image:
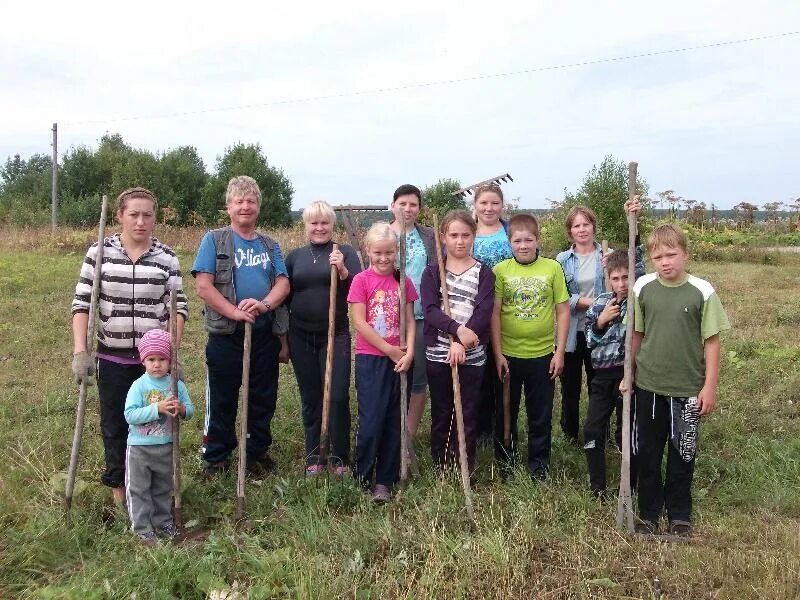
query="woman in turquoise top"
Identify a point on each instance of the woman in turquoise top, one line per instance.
(491, 247)
(420, 252)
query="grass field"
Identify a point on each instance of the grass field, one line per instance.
(322, 539)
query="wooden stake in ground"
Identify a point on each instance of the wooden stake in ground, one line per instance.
(326, 390)
(606, 277)
(404, 441)
(245, 395)
(80, 413)
(462, 445)
(624, 504)
(507, 410)
(176, 420)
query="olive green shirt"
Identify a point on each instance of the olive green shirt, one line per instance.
(676, 320)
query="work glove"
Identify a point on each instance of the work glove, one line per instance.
(83, 367)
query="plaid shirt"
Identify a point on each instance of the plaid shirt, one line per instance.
(608, 345)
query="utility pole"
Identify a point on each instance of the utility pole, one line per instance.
(54, 197)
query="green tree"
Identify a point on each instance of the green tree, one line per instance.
(111, 152)
(248, 159)
(439, 199)
(27, 180)
(80, 174)
(182, 179)
(605, 191)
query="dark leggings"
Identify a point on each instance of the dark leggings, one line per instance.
(571, 379)
(113, 382)
(308, 352)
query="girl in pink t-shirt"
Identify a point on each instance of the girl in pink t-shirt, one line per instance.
(374, 299)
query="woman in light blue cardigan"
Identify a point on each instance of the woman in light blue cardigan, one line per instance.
(583, 268)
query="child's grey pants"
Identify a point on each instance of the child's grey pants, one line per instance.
(148, 486)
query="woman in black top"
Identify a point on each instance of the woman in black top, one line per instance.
(309, 271)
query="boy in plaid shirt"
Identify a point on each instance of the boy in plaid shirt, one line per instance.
(605, 336)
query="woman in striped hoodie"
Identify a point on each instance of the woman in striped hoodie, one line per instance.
(137, 274)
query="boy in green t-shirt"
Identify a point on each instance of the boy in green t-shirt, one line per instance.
(530, 295)
(676, 350)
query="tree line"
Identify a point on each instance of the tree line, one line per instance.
(187, 193)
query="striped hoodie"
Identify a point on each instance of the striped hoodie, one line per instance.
(134, 297)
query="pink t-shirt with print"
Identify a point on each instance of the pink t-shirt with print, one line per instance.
(381, 295)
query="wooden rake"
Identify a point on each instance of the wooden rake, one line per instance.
(80, 413)
(462, 445)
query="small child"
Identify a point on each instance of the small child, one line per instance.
(459, 339)
(149, 410)
(530, 297)
(374, 299)
(678, 319)
(605, 336)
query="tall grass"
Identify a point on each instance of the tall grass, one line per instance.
(323, 539)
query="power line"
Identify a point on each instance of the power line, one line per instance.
(443, 82)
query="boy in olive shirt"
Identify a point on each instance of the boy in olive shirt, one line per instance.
(676, 349)
(530, 293)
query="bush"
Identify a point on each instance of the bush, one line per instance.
(24, 212)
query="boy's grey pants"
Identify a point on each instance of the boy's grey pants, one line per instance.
(148, 486)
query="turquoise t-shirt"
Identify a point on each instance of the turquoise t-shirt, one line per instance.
(252, 269)
(529, 294)
(416, 261)
(493, 248)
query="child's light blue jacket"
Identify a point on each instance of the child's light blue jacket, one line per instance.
(147, 427)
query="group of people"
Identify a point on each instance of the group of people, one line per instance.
(509, 315)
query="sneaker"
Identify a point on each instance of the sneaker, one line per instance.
(339, 470)
(314, 470)
(381, 494)
(212, 469)
(167, 531)
(148, 538)
(680, 528)
(646, 528)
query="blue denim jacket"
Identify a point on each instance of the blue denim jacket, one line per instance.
(569, 262)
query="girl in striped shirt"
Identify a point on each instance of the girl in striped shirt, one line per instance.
(459, 340)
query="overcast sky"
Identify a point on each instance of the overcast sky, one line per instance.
(718, 125)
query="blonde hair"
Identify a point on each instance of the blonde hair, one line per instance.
(135, 192)
(379, 232)
(669, 235)
(241, 186)
(317, 209)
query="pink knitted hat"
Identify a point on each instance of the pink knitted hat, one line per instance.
(155, 341)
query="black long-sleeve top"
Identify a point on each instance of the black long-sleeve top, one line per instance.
(310, 280)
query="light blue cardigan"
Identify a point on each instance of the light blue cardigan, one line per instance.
(569, 262)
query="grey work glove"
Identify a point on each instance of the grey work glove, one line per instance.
(83, 367)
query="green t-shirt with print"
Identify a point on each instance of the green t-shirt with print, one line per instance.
(675, 319)
(529, 294)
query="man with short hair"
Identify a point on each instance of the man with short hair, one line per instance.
(242, 278)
